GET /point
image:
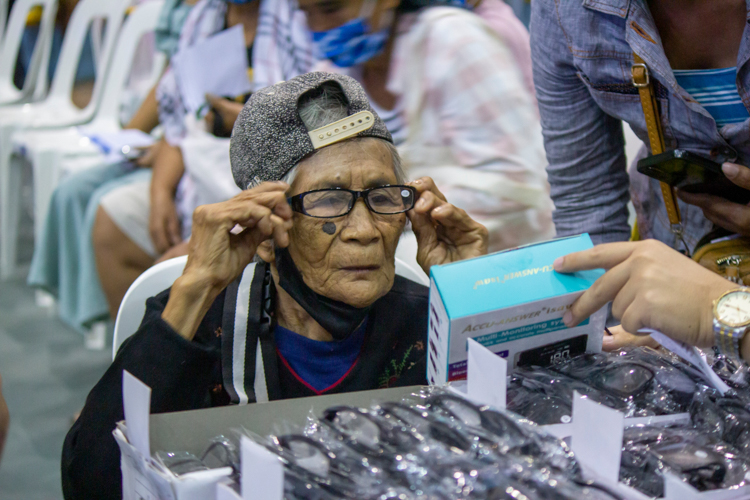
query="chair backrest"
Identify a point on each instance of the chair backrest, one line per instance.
(112, 12)
(140, 22)
(161, 276)
(3, 18)
(407, 271)
(11, 46)
(155, 280)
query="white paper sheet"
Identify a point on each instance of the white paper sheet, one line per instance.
(597, 437)
(689, 354)
(262, 473)
(140, 481)
(117, 144)
(217, 65)
(136, 399)
(486, 376)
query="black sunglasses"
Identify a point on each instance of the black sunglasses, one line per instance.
(337, 202)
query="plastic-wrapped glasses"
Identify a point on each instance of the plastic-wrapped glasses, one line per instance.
(337, 202)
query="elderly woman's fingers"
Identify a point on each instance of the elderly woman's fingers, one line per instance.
(450, 216)
(248, 209)
(427, 202)
(281, 229)
(426, 184)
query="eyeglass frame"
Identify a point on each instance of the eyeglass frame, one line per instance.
(296, 201)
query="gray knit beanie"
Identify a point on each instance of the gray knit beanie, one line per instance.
(269, 137)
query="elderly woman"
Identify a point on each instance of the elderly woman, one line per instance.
(321, 310)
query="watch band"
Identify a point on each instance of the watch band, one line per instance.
(728, 339)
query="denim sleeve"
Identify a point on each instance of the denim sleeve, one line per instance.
(585, 146)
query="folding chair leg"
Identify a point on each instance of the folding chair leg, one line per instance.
(10, 201)
(46, 178)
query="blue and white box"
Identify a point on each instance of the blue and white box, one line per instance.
(511, 302)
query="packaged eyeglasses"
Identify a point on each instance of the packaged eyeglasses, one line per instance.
(511, 433)
(725, 418)
(636, 381)
(733, 372)
(220, 452)
(701, 460)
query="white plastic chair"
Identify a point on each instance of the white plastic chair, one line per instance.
(155, 280)
(35, 82)
(408, 272)
(3, 19)
(48, 150)
(56, 111)
(161, 276)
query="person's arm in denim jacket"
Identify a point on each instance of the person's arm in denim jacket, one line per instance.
(585, 147)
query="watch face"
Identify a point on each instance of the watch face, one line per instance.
(733, 309)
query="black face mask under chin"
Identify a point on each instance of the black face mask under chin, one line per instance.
(339, 319)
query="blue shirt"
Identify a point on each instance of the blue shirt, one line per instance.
(320, 365)
(716, 90)
(583, 53)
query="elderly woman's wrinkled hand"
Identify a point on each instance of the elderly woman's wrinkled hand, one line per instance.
(218, 254)
(444, 232)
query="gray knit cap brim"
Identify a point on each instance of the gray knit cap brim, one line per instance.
(269, 137)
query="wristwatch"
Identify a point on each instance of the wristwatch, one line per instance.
(731, 321)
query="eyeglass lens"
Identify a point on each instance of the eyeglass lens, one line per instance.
(358, 427)
(309, 458)
(626, 378)
(335, 202)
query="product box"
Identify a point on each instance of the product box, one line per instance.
(511, 302)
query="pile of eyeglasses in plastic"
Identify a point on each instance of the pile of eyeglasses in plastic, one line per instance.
(435, 446)
(438, 445)
(711, 451)
(636, 381)
(702, 460)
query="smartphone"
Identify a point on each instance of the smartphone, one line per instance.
(693, 174)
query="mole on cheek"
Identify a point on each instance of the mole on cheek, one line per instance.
(329, 228)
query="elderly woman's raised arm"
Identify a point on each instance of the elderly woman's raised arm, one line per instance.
(218, 255)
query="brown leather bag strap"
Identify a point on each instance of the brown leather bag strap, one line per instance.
(642, 80)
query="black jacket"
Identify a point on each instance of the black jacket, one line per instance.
(185, 375)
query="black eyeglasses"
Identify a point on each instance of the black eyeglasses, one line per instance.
(337, 202)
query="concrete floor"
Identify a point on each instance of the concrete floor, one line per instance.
(47, 374)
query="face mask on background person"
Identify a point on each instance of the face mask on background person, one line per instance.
(356, 41)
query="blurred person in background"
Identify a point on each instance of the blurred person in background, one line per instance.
(698, 56)
(139, 223)
(455, 91)
(63, 261)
